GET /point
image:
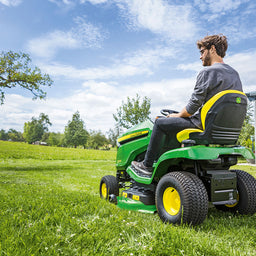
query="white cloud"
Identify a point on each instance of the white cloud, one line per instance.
(137, 63)
(114, 72)
(245, 64)
(11, 2)
(46, 46)
(219, 6)
(59, 2)
(71, 2)
(174, 22)
(195, 66)
(236, 28)
(82, 35)
(233, 18)
(94, 1)
(96, 102)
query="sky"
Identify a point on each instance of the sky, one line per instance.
(99, 52)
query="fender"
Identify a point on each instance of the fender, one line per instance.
(194, 153)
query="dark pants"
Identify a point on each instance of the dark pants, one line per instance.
(165, 127)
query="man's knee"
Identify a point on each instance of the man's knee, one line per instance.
(166, 125)
(160, 123)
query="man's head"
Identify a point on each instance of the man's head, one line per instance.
(212, 48)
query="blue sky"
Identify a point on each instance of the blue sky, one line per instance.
(98, 52)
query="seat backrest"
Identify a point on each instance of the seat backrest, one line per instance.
(222, 118)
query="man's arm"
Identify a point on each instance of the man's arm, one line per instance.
(197, 98)
(182, 113)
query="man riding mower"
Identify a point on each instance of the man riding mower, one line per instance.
(181, 163)
(186, 179)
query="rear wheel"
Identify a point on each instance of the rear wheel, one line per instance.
(181, 198)
(246, 195)
(108, 186)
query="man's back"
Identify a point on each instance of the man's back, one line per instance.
(210, 81)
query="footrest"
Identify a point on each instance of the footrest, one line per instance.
(140, 173)
(139, 177)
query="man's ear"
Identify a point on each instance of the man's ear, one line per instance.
(213, 49)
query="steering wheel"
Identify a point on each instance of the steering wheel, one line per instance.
(166, 112)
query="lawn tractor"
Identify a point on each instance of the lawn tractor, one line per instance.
(186, 180)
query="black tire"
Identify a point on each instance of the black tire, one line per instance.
(181, 197)
(203, 200)
(108, 186)
(246, 187)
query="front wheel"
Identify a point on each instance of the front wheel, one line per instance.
(181, 198)
(108, 186)
(246, 195)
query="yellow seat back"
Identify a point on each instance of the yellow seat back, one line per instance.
(185, 134)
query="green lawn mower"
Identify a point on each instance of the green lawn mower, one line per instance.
(186, 179)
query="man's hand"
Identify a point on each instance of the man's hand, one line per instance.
(174, 115)
(183, 113)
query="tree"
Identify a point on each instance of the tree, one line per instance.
(132, 112)
(113, 134)
(75, 133)
(97, 140)
(55, 139)
(16, 69)
(34, 130)
(3, 135)
(14, 135)
(247, 130)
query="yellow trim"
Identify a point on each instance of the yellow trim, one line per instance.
(212, 100)
(125, 194)
(171, 201)
(104, 190)
(184, 134)
(136, 197)
(132, 135)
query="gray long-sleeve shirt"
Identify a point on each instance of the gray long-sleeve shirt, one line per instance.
(210, 81)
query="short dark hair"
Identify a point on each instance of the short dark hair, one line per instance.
(219, 41)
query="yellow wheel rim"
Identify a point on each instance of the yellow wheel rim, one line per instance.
(104, 190)
(233, 205)
(171, 201)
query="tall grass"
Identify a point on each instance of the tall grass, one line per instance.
(50, 205)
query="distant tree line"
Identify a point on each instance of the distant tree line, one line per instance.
(11, 135)
(36, 132)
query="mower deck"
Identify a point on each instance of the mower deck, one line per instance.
(134, 205)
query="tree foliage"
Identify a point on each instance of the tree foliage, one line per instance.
(11, 135)
(132, 112)
(54, 139)
(16, 69)
(14, 135)
(245, 138)
(113, 134)
(75, 133)
(97, 140)
(3, 135)
(34, 130)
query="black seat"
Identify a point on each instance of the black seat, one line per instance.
(222, 118)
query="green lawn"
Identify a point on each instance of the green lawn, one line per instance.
(50, 205)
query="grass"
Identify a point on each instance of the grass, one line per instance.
(50, 205)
